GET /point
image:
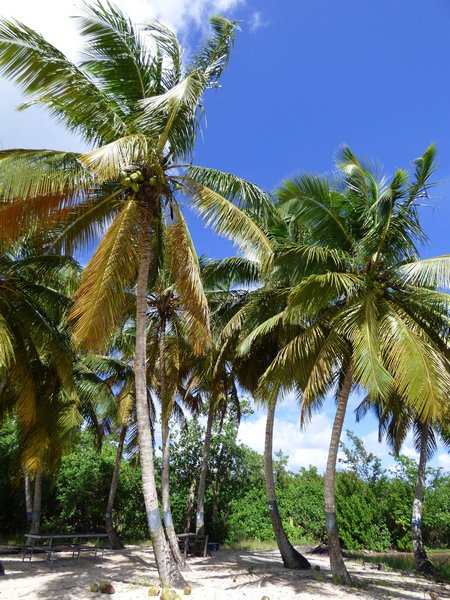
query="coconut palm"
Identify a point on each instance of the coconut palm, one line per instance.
(138, 107)
(396, 419)
(240, 312)
(364, 310)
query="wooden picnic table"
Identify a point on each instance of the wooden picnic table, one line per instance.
(193, 543)
(59, 542)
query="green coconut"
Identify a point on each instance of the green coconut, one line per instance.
(94, 587)
(187, 590)
(153, 591)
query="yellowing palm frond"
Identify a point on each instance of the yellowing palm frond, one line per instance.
(185, 270)
(100, 300)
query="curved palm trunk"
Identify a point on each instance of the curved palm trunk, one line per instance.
(114, 540)
(200, 520)
(338, 568)
(165, 492)
(167, 569)
(423, 563)
(291, 558)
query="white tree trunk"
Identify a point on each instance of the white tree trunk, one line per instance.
(423, 563)
(167, 569)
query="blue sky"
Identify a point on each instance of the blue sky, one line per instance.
(305, 77)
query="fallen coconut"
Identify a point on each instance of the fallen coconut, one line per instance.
(108, 589)
(187, 590)
(153, 591)
(94, 587)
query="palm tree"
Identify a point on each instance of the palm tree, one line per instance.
(239, 312)
(364, 309)
(395, 421)
(113, 409)
(139, 108)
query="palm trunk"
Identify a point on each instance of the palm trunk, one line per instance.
(423, 563)
(200, 520)
(190, 505)
(216, 490)
(28, 498)
(165, 492)
(114, 541)
(166, 409)
(338, 568)
(291, 558)
(167, 569)
(37, 502)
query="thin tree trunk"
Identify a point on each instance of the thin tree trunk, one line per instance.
(166, 409)
(200, 520)
(338, 568)
(167, 568)
(216, 490)
(165, 492)
(190, 505)
(28, 498)
(291, 558)
(37, 502)
(114, 540)
(423, 563)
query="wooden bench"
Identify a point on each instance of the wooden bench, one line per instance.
(191, 543)
(50, 543)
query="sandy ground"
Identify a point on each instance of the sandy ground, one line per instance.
(226, 575)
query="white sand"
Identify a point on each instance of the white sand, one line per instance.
(226, 576)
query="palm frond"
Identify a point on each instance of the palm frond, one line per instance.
(101, 298)
(108, 161)
(244, 194)
(429, 272)
(318, 207)
(229, 272)
(171, 117)
(214, 54)
(116, 54)
(44, 73)
(187, 280)
(421, 373)
(229, 220)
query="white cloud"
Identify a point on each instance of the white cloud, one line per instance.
(257, 21)
(443, 460)
(52, 18)
(308, 447)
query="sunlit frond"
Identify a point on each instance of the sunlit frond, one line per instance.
(421, 374)
(187, 280)
(171, 116)
(230, 221)
(429, 272)
(100, 300)
(108, 161)
(244, 194)
(45, 74)
(317, 206)
(116, 53)
(215, 52)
